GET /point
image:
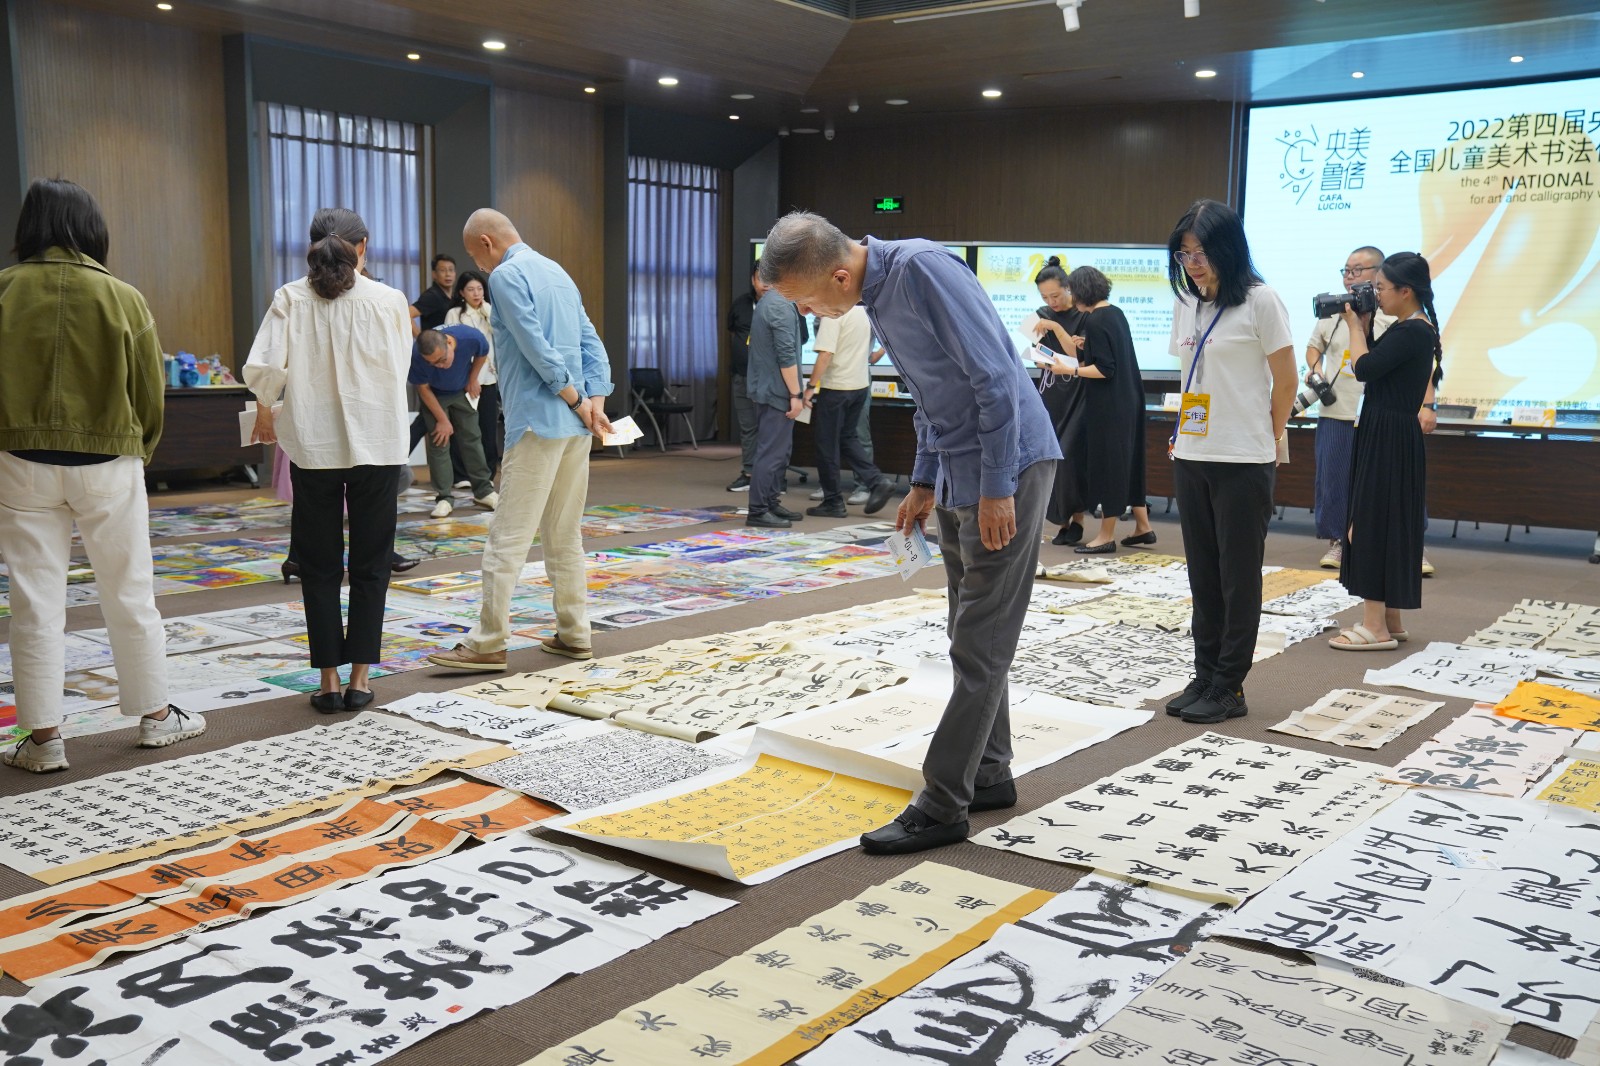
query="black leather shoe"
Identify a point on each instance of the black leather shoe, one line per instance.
(1218, 705)
(996, 797)
(767, 520)
(828, 511)
(291, 570)
(783, 512)
(1192, 693)
(878, 498)
(1069, 535)
(355, 699)
(328, 702)
(912, 831)
(1147, 537)
(1108, 548)
(399, 564)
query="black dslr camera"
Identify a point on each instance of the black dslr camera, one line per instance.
(1316, 388)
(1361, 299)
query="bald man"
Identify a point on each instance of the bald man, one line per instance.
(554, 378)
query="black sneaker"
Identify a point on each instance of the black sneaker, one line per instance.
(740, 483)
(1217, 706)
(767, 520)
(912, 831)
(1069, 535)
(1191, 694)
(783, 512)
(828, 510)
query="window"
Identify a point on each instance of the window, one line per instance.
(376, 167)
(674, 224)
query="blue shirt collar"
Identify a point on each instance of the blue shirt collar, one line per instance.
(872, 281)
(514, 249)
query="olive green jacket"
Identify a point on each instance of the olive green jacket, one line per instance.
(80, 365)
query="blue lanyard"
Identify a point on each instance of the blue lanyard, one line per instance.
(1199, 355)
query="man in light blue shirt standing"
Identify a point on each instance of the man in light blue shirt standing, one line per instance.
(986, 453)
(554, 378)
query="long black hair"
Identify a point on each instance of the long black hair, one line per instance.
(335, 232)
(1052, 272)
(1408, 270)
(57, 213)
(462, 278)
(1217, 228)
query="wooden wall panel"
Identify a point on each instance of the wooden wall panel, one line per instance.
(133, 111)
(1102, 175)
(548, 168)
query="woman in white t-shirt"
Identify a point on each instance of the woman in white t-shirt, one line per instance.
(472, 309)
(1231, 334)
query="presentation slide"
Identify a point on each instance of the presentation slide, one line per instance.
(1139, 287)
(1498, 188)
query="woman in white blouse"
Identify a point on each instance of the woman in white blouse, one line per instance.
(335, 347)
(472, 309)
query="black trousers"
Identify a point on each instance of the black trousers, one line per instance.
(835, 427)
(494, 437)
(1224, 510)
(317, 528)
(774, 443)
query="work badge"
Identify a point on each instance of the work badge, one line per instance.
(1194, 414)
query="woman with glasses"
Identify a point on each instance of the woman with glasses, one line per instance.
(1060, 329)
(1388, 483)
(1231, 335)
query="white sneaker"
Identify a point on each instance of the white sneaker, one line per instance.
(442, 509)
(817, 495)
(1333, 557)
(462, 484)
(859, 496)
(1427, 567)
(489, 502)
(37, 758)
(177, 725)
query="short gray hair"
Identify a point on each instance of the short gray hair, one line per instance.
(802, 245)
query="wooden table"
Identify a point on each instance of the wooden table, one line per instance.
(201, 434)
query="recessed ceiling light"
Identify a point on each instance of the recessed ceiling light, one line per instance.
(992, 94)
(1516, 59)
(163, 7)
(1358, 74)
(806, 129)
(808, 110)
(668, 80)
(897, 102)
(412, 56)
(734, 118)
(744, 96)
(1205, 74)
(589, 89)
(495, 46)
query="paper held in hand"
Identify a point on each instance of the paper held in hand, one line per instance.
(623, 431)
(910, 551)
(247, 422)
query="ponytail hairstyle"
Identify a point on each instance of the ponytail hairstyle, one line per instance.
(335, 232)
(1408, 270)
(1052, 272)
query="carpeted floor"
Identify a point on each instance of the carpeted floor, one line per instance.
(1479, 576)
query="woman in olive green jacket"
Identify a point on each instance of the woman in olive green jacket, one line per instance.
(80, 415)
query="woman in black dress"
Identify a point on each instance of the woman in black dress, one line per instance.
(1108, 414)
(1060, 329)
(1388, 485)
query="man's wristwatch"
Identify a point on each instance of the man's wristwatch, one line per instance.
(1430, 407)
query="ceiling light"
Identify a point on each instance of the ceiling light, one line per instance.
(744, 96)
(1516, 59)
(992, 94)
(590, 89)
(1205, 74)
(163, 7)
(1191, 9)
(668, 80)
(897, 102)
(413, 56)
(495, 46)
(806, 129)
(1069, 12)
(809, 110)
(734, 118)
(1358, 74)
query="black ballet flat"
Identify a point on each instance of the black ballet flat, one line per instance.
(291, 571)
(1108, 548)
(1148, 537)
(355, 699)
(328, 702)
(399, 564)
(1072, 534)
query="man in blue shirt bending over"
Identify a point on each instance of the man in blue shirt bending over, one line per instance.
(985, 464)
(444, 363)
(554, 380)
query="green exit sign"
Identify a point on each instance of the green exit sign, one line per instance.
(888, 205)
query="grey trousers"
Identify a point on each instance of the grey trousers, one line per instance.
(774, 443)
(744, 415)
(988, 597)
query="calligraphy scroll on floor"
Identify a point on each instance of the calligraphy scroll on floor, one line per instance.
(564, 767)
(1216, 817)
(1355, 719)
(1535, 701)
(1491, 901)
(1482, 751)
(1037, 988)
(1223, 1004)
(71, 830)
(1474, 673)
(788, 994)
(1576, 785)
(360, 973)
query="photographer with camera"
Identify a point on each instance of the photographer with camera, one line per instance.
(1328, 381)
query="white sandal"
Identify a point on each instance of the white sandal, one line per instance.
(1360, 638)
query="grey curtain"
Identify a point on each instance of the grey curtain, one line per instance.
(376, 167)
(674, 223)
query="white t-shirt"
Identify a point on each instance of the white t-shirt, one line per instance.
(478, 319)
(849, 338)
(1233, 371)
(1331, 337)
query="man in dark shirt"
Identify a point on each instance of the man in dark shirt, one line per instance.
(739, 318)
(431, 307)
(443, 362)
(773, 386)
